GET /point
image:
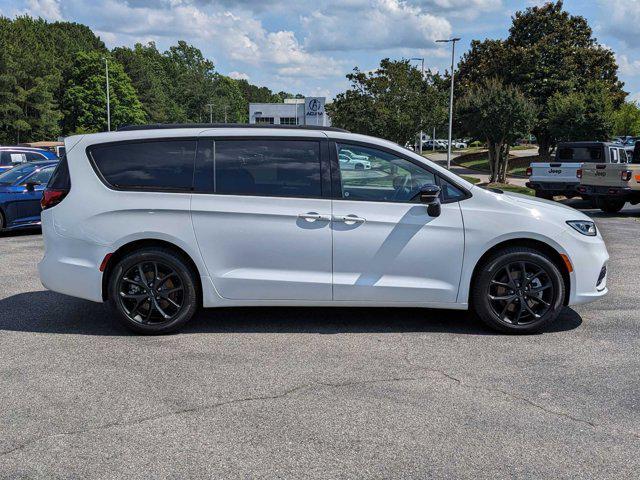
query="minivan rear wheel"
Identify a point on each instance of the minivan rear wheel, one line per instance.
(153, 290)
(518, 290)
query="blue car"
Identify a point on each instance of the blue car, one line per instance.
(20, 194)
(13, 156)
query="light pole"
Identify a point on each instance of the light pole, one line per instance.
(210, 105)
(106, 71)
(453, 50)
(422, 60)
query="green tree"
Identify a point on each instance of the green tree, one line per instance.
(193, 79)
(227, 101)
(498, 113)
(393, 102)
(85, 99)
(148, 70)
(547, 52)
(29, 78)
(626, 120)
(584, 115)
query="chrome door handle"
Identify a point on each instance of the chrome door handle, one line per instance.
(312, 217)
(349, 219)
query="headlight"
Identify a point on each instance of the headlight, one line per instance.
(585, 227)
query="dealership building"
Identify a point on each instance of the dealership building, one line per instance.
(294, 111)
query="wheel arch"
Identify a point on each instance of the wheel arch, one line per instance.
(535, 244)
(134, 245)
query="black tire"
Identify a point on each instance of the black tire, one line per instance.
(610, 205)
(358, 166)
(167, 300)
(543, 195)
(590, 200)
(1, 221)
(489, 294)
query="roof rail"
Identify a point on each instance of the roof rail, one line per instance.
(159, 126)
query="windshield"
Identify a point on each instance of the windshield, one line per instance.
(16, 174)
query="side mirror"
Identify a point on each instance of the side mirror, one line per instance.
(430, 196)
(31, 186)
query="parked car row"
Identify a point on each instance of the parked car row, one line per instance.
(438, 144)
(12, 156)
(603, 172)
(24, 173)
(21, 192)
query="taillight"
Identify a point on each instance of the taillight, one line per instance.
(579, 173)
(52, 197)
(625, 175)
(529, 171)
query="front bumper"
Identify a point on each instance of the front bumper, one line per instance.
(589, 258)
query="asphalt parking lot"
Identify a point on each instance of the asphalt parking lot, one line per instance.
(318, 393)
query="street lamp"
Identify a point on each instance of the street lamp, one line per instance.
(422, 60)
(453, 50)
(106, 71)
(210, 105)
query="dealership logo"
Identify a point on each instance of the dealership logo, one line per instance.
(315, 107)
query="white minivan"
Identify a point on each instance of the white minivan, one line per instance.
(161, 220)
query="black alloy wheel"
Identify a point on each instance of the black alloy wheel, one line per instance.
(520, 293)
(518, 290)
(153, 290)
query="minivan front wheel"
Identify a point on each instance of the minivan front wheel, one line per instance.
(153, 290)
(518, 290)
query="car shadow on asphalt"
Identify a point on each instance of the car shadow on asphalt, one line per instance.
(49, 312)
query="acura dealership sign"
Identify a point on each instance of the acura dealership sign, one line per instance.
(314, 107)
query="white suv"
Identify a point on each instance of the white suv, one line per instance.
(160, 221)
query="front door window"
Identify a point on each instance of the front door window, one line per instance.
(374, 175)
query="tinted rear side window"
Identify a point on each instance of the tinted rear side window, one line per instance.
(283, 168)
(60, 180)
(153, 165)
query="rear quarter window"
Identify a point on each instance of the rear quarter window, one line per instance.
(146, 165)
(60, 180)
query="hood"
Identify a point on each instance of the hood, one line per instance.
(545, 205)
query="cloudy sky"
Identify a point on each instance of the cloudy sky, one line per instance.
(307, 46)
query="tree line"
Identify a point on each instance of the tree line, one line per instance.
(549, 77)
(52, 83)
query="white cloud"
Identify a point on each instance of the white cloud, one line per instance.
(630, 68)
(239, 75)
(621, 19)
(47, 9)
(380, 25)
(240, 38)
